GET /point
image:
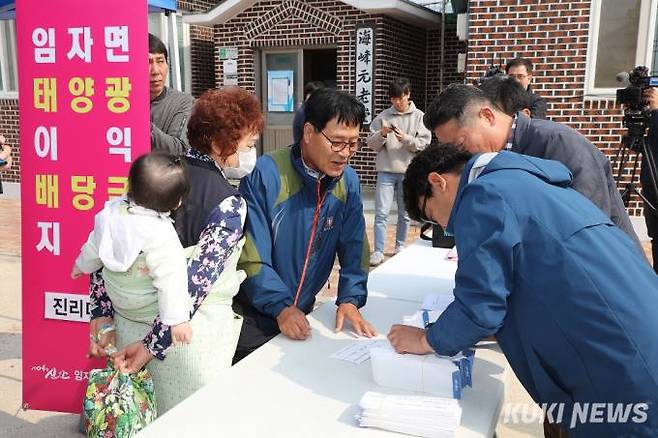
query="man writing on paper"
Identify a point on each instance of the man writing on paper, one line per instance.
(571, 301)
(305, 208)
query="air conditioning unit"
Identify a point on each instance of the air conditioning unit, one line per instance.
(462, 27)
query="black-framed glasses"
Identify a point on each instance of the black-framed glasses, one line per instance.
(338, 146)
(423, 215)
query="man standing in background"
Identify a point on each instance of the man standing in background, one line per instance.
(521, 70)
(170, 109)
(396, 134)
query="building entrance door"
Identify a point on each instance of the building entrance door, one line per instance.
(282, 78)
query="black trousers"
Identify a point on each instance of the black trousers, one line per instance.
(251, 335)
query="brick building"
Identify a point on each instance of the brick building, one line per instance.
(577, 47)
(297, 41)
(318, 37)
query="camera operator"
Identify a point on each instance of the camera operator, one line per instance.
(650, 216)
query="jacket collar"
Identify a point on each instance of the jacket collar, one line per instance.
(522, 126)
(463, 181)
(202, 160)
(309, 176)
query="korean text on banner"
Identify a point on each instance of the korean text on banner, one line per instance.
(84, 117)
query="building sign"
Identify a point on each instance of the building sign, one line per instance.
(84, 117)
(228, 53)
(280, 91)
(230, 70)
(365, 49)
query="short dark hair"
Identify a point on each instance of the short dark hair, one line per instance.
(157, 46)
(452, 103)
(440, 158)
(399, 87)
(507, 93)
(328, 103)
(158, 181)
(311, 87)
(517, 62)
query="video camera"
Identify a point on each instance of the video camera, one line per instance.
(636, 113)
(493, 70)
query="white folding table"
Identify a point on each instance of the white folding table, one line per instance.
(292, 388)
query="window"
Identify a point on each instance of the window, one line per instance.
(8, 65)
(166, 27)
(620, 37)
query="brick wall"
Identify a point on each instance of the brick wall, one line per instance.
(9, 128)
(400, 48)
(202, 47)
(452, 47)
(553, 34)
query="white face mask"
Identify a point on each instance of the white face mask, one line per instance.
(247, 163)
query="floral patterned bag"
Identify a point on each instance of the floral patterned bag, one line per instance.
(116, 404)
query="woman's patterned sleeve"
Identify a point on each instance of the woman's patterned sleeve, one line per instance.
(217, 241)
(100, 304)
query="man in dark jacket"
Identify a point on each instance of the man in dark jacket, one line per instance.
(521, 70)
(170, 109)
(648, 189)
(464, 116)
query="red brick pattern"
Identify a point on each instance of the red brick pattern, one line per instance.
(553, 34)
(9, 128)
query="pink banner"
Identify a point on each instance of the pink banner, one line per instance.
(84, 116)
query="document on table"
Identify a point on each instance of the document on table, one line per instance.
(359, 351)
(437, 302)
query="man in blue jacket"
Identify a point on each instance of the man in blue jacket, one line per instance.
(571, 301)
(304, 209)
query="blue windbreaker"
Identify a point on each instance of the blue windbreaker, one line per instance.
(281, 199)
(572, 302)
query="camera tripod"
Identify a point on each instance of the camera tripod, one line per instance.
(638, 145)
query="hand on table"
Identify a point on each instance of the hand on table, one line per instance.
(350, 312)
(407, 339)
(293, 323)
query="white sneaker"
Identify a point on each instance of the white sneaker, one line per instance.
(397, 250)
(376, 258)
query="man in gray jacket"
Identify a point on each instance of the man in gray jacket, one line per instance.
(170, 109)
(396, 134)
(464, 116)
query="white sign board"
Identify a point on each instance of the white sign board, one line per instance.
(365, 48)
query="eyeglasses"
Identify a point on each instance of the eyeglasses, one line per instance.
(423, 215)
(518, 76)
(338, 146)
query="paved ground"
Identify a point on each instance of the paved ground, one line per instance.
(16, 423)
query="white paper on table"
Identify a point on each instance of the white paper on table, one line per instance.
(437, 302)
(412, 414)
(359, 351)
(423, 373)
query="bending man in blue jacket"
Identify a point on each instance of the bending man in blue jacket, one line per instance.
(304, 208)
(571, 301)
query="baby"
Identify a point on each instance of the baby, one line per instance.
(135, 243)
